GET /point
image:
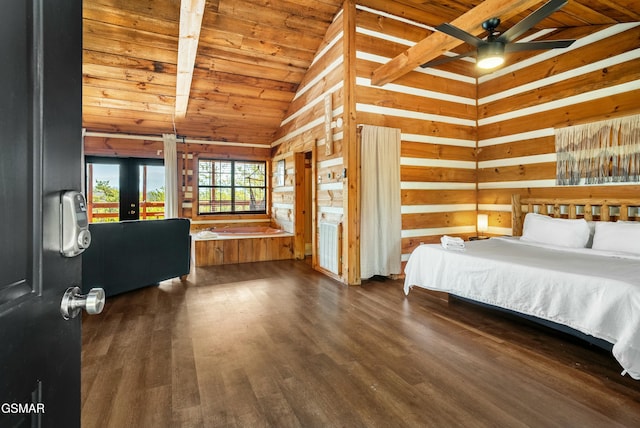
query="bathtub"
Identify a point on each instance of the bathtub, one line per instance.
(241, 244)
(248, 230)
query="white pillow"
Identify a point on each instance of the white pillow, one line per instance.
(555, 231)
(618, 236)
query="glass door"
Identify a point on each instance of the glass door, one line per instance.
(103, 192)
(151, 203)
(124, 189)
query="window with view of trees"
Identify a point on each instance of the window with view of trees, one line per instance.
(228, 186)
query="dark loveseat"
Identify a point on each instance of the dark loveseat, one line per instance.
(127, 255)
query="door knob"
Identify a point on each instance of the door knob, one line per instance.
(73, 302)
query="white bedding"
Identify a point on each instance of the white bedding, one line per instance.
(595, 292)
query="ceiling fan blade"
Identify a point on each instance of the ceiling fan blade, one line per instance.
(440, 61)
(459, 34)
(535, 46)
(531, 20)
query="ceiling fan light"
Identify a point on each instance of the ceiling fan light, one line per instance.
(490, 62)
(490, 55)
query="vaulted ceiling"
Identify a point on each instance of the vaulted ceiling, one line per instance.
(251, 57)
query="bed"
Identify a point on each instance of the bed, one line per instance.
(574, 263)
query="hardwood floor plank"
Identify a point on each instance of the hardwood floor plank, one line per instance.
(276, 344)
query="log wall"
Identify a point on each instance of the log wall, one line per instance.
(436, 113)
(520, 106)
(303, 130)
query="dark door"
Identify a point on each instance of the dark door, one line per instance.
(124, 188)
(40, 155)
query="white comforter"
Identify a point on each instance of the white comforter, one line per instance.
(595, 292)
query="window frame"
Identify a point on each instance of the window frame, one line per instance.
(232, 187)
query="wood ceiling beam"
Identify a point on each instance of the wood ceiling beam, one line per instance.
(438, 43)
(191, 12)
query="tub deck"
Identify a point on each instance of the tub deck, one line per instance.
(230, 249)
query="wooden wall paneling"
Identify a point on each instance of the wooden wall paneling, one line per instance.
(389, 49)
(437, 43)
(430, 13)
(144, 47)
(588, 54)
(253, 87)
(503, 196)
(303, 119)
(329, 81)
(333, 53)
(535, 171)
(442, 174)
(245, 250)
(260, 249)
(435, 83)
(113, 97)
(409, 244)
(275, 17)
(425, 164)
(437, 196)
(599, 79)
(227, 61)
(420, 127)
(438, 219)
(164, 19)
(615, 105)
(330, 198)
(499, 179)
(390, 26)
(313, 87)
(122, 147)
(117, 70)
(230, 249)
(437, 151)
(530, 147)
(230, 152)
(385, 98)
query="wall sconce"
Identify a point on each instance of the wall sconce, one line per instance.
(483, 223)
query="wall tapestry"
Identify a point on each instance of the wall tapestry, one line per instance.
(600, 152)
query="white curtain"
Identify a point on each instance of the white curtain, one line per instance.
(381, 222)
(170, 176)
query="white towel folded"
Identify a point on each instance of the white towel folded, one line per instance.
(452, 243)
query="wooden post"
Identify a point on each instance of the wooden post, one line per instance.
(90, 192)
(350, 153)
(298, 245)
(516, 215)
(143, 204)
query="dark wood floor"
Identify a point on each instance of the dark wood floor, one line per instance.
(276, 344)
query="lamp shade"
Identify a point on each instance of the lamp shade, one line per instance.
(483, 222)
(490, 55)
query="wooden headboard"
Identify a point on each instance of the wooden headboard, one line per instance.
(589, 209)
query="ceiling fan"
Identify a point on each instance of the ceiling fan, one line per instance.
(490, 52)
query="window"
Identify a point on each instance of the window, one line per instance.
(228, 186)
(124, 189)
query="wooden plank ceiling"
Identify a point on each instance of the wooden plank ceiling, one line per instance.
(251, 57)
